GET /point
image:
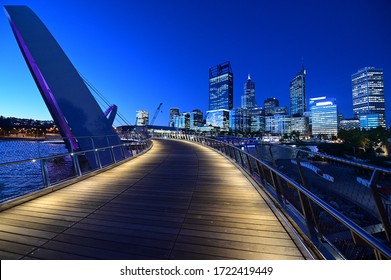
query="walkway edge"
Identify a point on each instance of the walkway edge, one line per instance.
(33, 195)
(298, 237)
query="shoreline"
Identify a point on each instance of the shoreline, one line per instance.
(28, 138)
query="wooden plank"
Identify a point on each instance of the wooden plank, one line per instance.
(129, 249)
(232, 253)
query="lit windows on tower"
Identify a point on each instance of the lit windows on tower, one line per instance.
(298, 94)
(324, 116)
(142, 118)
(248, 97)
(221, 87)
(368, 94)
(269, 106)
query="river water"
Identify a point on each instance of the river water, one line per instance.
(18, 179)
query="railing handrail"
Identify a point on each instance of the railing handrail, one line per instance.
(374, 243)
(334, 158)
(70, 154)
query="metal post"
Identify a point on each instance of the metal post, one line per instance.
(276, 181)
(76, 164)
(231, 152)
(261, 172)
(96, 153)
(44, 172)
(122, 151)
(379, 204)
(249, 164)
(241, 158)
(308, 209)
(111, 150)
(235, 156)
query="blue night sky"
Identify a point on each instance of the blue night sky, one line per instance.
(141, 53)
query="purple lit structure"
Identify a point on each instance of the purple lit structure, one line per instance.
(78, 116)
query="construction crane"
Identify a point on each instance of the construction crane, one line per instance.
(156, 113)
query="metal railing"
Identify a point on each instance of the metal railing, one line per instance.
(30, 165)
(334, 233)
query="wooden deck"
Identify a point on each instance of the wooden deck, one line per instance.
(178, 201)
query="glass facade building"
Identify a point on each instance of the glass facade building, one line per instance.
(269, 105)
(349, 124)
(182, 120)
(324, 116)
(257, 120)
(301, 125)
(196, 118)
(239, 120)
(218, 118)
(278, 124)
(173, 112)
(368, 93)
(369, 121)
(142, 118)
(221, 87)
(298, 94)
(248, 97)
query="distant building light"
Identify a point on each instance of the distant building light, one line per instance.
(324, 103)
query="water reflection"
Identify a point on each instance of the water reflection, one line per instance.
(18, 179)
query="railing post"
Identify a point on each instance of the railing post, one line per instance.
(241, 157)
(76, 164)
(261, 170)
(226, 150)
(276, 181)
(234, 151)
(250, 168)
(111, 150)
(44, 171)
(230, 151)
(122, 151)
(306, 205)
(379, 204)
(96, 153)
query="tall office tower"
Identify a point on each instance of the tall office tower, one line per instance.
(221, 87)
(196, 118)
(298, 94)
(182, 120)
(324, 116)
(257, 120)
(248, 97)
(269, 105)
(239, 120)
(173, 112)
(142, 118)
(278, 124)
(368, 94)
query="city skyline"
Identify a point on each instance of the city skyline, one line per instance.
(140, 54)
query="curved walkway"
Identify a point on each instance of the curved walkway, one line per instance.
(180, 200)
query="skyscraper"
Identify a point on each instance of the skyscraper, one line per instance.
(173, 112)
(248, 97)
(221, 87)
(269, 105)
(239, 120)
(368, 94)
(324, 116)
(196, 117)
(142, 118)
(298, 94)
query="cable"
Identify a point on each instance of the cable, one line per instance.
(104, 99)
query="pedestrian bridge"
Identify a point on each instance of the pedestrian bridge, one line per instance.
(179, 200)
